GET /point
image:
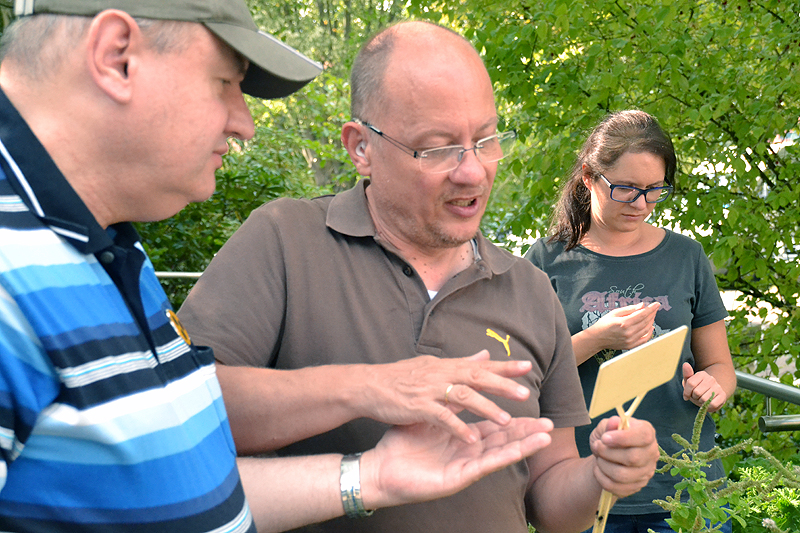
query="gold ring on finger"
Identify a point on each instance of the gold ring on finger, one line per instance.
(447, 393)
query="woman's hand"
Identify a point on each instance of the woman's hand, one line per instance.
(620, 329)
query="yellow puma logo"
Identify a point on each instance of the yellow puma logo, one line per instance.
(504, 342)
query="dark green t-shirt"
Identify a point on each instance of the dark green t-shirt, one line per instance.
(677, 274)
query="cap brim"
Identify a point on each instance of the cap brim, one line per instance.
(275, 70)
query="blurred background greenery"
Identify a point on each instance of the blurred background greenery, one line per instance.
(723, 78)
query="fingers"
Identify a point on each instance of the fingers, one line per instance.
(652, 308)
(492, 377)
(508, 369)
(461, 397)
(626, 310)
(447, 419)
(482, 374)
(506, 445)
(421, 462)
(483, 355)
(474, 374)
(492, 435)
(638, 311)
(624, 460)
(627, 327)
(433, 390)
(699, 387)
(642, 321)
(689, 384)
(640, 434)
(458, 397)
(687, 370)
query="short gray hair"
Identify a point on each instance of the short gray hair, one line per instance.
(40, 43)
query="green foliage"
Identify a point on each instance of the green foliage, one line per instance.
(330, 31)
(6, 13)
(776, 509)
(707, 500)
(723, 79)
(738, 420)
(296, 151)
(761, 495)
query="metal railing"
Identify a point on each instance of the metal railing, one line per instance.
(771, 389)
(173, 275)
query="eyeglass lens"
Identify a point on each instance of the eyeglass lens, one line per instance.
(621, 193)
(487, 150)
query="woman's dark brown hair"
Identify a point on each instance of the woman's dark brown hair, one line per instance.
(619, 133)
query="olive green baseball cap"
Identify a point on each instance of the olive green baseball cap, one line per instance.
(275, 69)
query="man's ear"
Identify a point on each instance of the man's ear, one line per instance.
(114, 40)
(355, 142)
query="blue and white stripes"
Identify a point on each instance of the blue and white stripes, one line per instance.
(100, 429)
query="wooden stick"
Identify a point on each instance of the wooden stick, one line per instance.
(606, 498)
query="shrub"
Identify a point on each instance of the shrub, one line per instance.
(760, 495)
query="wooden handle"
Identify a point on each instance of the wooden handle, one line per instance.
(606, 498)
(600, 518)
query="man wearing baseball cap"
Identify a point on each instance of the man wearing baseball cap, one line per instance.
(113, 111)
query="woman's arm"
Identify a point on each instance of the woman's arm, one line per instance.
(564, 489)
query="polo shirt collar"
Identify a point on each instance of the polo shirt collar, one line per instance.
(35, 177)
(348, 214)
(495, 258)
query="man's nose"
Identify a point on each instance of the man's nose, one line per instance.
(470, 169)
(240, 121)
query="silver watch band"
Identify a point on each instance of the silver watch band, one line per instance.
(350, 485)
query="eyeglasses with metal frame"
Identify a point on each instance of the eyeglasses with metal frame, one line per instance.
(628, 194)
(446, 158)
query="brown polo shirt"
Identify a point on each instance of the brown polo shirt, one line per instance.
(307, 282)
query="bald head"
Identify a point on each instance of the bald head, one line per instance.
(410, 47)
(421, 87)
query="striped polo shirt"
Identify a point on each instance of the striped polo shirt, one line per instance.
(110, 420)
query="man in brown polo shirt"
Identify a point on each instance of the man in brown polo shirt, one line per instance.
(362, 309)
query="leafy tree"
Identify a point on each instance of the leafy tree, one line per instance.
(722, 77)
(296, 150)
(6, 13)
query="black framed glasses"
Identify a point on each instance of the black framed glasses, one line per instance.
(628, 194)
(446, 158)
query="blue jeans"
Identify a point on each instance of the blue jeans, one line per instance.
(639, 523)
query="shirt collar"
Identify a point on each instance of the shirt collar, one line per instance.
(35, 177)
(348, 214)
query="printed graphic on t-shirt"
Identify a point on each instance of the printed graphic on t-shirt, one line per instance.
(595, 304)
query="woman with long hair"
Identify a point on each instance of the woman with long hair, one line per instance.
(622, 281)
